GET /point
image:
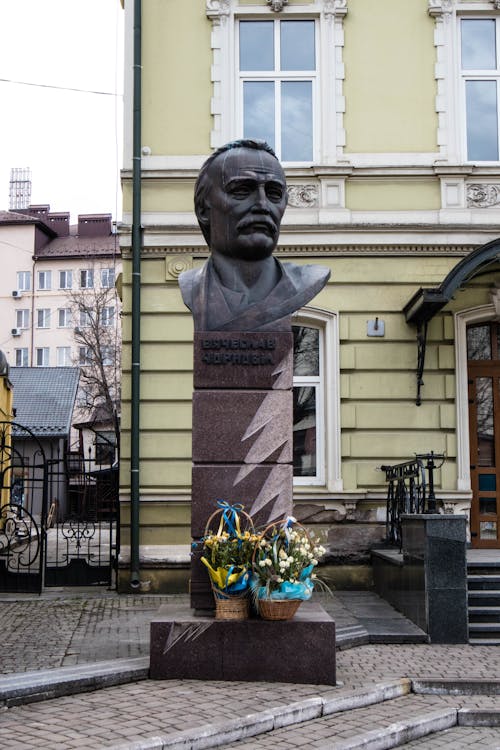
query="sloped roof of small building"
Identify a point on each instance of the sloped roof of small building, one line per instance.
(44, 399)
(80, 247)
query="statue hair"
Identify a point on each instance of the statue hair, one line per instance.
(202, 184)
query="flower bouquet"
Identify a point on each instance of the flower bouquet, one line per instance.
(227, 554)
(283, 563)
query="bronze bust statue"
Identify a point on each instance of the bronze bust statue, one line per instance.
(240, 198)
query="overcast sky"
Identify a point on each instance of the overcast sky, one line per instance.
(71, 140)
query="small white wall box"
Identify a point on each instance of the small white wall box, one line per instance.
(17, 294)
(16, 331)
(375, 327)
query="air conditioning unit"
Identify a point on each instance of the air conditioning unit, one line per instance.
(16, 331)
(17, 294)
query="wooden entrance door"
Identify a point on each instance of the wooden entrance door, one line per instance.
(483, 353)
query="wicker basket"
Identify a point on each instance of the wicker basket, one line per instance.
(278, 609)
(230, 607)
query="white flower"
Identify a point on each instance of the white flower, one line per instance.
(268, 562)
(290, 560)
(262, 563)
(282, 554)
(314, 561)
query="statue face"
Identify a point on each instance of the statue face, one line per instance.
(245, 203)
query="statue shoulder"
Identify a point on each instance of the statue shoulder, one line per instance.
(186, 281)
(307, 276)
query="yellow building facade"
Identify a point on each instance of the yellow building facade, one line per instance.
(385, 117)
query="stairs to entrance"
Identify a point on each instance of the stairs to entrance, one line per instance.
(483, 584)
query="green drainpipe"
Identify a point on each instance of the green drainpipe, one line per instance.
(136, 303)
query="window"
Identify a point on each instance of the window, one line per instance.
(64, 317)
(107, 316)
(65, 279)
(64, 356)
(84, 355)
(480, 66)
(107, 277)
(22, 357)
(42, 357)
(87, 279)
(307, 404)
(22, 318)
(44, 280)
(105, 447)
(107, 355)
(24, 281)
(43, 318)
(277, 67)
(85, 319)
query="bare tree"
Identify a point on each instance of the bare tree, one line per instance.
(95, 315)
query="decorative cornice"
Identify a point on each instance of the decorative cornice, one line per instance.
(303, 196)
(440, 7)
(277, 5)
(483, 195)
(217, 8)
(176, 254)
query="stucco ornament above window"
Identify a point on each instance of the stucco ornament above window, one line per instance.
(302, 196)
(277, 5)
(483, 195)
(335, 7)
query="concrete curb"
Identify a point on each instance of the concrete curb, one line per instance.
(30, 687)
(224, 732)
(478, 717)
(399, 733)
(438, 686)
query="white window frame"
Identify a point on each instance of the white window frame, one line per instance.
(86, 278)
(43, 317)
(24, 281)
(65, 279)
(84, 319)
(64, 315)
(328, 444)
(107, 278)
(21, 357)
(42, 356)
(107, 317)
(278, 77)
(107, 355)
(330, 133)
(484, 75)
(84, 356)
(44, 281)
(64, 356)
(23, 318)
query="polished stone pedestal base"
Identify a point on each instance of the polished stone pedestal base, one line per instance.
(186, 646)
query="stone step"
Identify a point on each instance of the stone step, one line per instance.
(484, 630)
(483, 582)
(484, 614)
(484, 641)
(486, 598)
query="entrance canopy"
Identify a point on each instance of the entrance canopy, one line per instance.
(426, 303)
(422, 307)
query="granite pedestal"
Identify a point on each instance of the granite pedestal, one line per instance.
(194, 647)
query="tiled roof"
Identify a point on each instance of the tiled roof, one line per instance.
(78, 247)
(11, 217)
(44, 398)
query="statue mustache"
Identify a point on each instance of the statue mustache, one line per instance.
(251, 221)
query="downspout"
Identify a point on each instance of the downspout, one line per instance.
(136, 302)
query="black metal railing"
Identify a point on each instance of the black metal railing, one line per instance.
(411, 490)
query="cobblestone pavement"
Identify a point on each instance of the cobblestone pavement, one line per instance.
(63, 630)
(128, 713)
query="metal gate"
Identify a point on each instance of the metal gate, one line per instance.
(58, 515)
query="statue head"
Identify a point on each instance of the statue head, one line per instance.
(240, 198)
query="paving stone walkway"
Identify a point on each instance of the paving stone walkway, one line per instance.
(63, 629)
